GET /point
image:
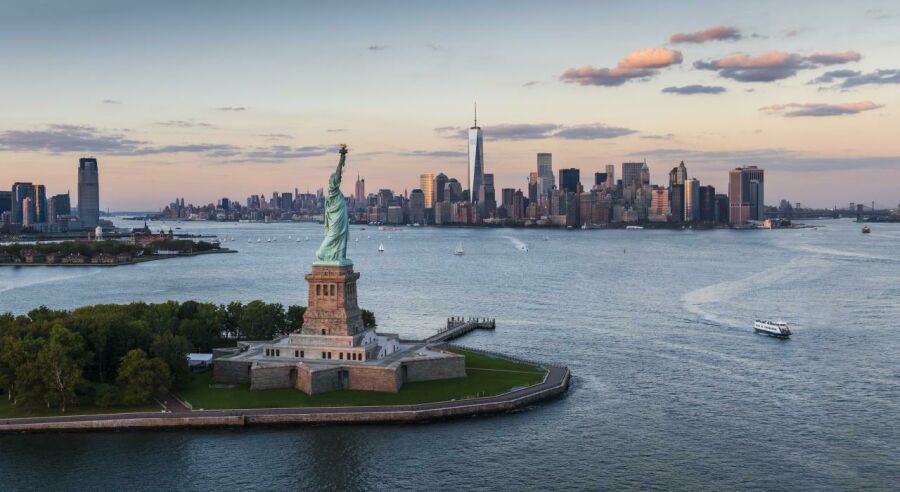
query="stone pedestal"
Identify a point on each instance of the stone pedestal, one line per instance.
(331, 306)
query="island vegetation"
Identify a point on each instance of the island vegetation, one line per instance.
(101, 252)
(114, 357)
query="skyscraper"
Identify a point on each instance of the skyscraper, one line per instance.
(360, 191)
(569, 180)
(545, 173)
(610, 176)
(533, 190)
(5, 201)
(691, 200)
(426, 186)
(28, 213)
(631, 174)
(476, 159)
(88, 192)
(599, 180)
(746, 194)
(417, 199)
(40, 203)
(439, 182)
(21, 191)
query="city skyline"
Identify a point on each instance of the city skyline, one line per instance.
(813, 103)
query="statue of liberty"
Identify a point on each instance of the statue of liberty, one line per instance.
(333, 250)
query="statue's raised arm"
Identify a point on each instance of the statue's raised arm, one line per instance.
(337, 225)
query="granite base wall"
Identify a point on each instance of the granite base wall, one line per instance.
(274, 377)
(317, 381)
(384, 379)
(452, 366)
(231, 372)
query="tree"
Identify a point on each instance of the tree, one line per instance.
(142, 378)
(61, 362)
(261, 321)
(12, 355)
(295, 317)
(369, 319)
(173, 350)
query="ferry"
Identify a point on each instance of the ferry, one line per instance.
(772, 328)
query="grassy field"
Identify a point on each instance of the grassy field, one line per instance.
(10, 411)
(486, 376)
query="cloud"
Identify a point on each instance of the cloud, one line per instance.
(793, 110)
(231, 108)
(667, 136)
(652, 58)
(834, 58)
(432, 153)
(851, 78)
(878, 14)
(531, 83)
(336, 130)
(716, 33)
(828, 77)
(276, 136)
(183, 124)
(772, 65)
(791, 34)
(639, 65)
(111, 101)
(772, 159)
(597, 131)
(58, 139)
(536, 131)
(436, 47)
(377, 47)
(694, 89)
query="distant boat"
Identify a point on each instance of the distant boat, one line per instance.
(289, 237)
(268, 240)
(389, 236)
(249, 241)
(259, 240)
(307, 238)
(866, 230)
(381, 248)
(459, 250)
(523, 248)
(357, 240)
(298, 239)
(546, 238)
(368, 237)
(633, 227)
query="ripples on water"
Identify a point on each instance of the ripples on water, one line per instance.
(672, 388)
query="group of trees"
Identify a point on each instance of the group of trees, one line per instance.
(90, 249)
(113, 354)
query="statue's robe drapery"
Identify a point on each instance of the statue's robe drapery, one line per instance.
(337, 225)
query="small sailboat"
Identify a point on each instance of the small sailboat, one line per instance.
(381, 248)
(268, 240)
(259, 240)
(357, 240)
(459, 250)
(368, 237)
(298, 239)
(546, 238)
(307, 238)
(249, 241)
(289, 236)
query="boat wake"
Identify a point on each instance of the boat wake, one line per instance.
(48, 280)
(517, 243)
(819, 250)
(704, 301)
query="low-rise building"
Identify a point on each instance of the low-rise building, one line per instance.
(74, 259)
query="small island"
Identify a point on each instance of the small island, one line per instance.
(110, 252)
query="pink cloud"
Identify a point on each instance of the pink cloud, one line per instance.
(772, 65)
(834, 58)
(715, 33)
(641, 64)
(652, 58)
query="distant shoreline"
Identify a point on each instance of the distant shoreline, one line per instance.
(133, 261)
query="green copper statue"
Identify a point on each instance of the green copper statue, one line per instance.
(333, 250)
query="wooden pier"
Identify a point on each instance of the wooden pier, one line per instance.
(459, 326)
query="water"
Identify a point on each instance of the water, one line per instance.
(672, 389)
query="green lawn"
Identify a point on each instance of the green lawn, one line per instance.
(10, 411)
(486, 376)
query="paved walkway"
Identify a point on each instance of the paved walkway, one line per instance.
(554, 384)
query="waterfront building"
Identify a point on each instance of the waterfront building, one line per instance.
(287, 201)
(476, 159)
(59, 206)
(691, 200)
(746, 195)
(677, 176)
(676, 202)
(599, 180)
(88, 192)
(426, 186)
(40, 203)
(545, 173)
(721, 209)
(439, 182)
(5, 201)
(20, 191)
(453, 191)
(27, 212)
(645, 175)
(417, 200)
(442, 213)
(659, 205)
(487, 202)
(707, 204)
(569, 180)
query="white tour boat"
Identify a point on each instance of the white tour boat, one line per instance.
(772, 328)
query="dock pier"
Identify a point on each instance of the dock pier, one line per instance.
(458, 326)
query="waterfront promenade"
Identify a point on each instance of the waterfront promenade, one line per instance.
(555, 383)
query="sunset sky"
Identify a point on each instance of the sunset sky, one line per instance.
(219, 98)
